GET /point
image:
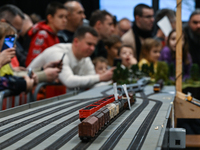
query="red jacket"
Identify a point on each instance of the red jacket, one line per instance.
(42, 37)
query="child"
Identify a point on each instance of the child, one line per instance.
(168, 54)
(100, 64)
(7, 80)
(126, 54)
(44, 33)
(112, 46)
(150, 53)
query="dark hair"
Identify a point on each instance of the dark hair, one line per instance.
(184, 49)
(99, 59)
(9, 12)
(165, 12)
(81, 31)
(98, 15)
(138, 9)
(112, 40)
(53, 7)
(196, 12)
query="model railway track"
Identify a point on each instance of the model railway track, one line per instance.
(141, 134)
(37, 126)
(2, 123)
(118, 133)
(83, 145)
(104, 92)
(68, 126)
(63, 139)
(112, 141)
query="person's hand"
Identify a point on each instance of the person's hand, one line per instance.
(20, 68)
(53, 64)
(133, 61)
(107, 75)
(35, 78)
(29, 83)
(52, 74)
(6, 56)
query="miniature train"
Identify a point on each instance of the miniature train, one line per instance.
(158, 85)
(90, 126)
(92, 108)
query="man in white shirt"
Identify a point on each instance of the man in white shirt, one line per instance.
(78, 70)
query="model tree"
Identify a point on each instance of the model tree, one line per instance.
(121, 75)
(162, 72)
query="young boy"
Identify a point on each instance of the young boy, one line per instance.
(100, 64)
(44, 33)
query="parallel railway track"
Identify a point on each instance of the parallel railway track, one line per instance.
(66, 137)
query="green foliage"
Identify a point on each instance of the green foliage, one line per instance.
(121, 75)
(194, 72)
(162, 71)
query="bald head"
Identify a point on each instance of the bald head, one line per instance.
(75, 16)
(124, 25)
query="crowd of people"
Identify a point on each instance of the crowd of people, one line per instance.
(89, 48)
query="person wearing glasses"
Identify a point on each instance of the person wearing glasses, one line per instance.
(142, 28)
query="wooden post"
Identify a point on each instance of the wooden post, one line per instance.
(178, 47)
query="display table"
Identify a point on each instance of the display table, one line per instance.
(55, 125)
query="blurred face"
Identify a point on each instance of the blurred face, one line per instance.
(113, 51)
(124, 26)
(17, 23)
(59, 20)
(85, 46)
(172, 41)
(194, 24)
(77, 15)
(154, 54)
(145, 22)
(100, 67)
(106, 28)
(126, 54)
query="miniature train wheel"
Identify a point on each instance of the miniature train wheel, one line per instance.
(85, 139)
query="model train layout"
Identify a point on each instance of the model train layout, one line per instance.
(56, 125)
(96, 121)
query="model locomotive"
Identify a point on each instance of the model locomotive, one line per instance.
(97, 115)
(90, 126)
(158, 85)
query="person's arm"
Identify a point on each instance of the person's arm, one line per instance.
(70, 80)
(17, 85)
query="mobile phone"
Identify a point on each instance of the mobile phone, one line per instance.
(30, 73)
(117, 61)
(61, 59)
(9, 41)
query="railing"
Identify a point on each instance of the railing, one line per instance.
(27, 98)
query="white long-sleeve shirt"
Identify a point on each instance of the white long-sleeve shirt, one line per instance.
(75, 73)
